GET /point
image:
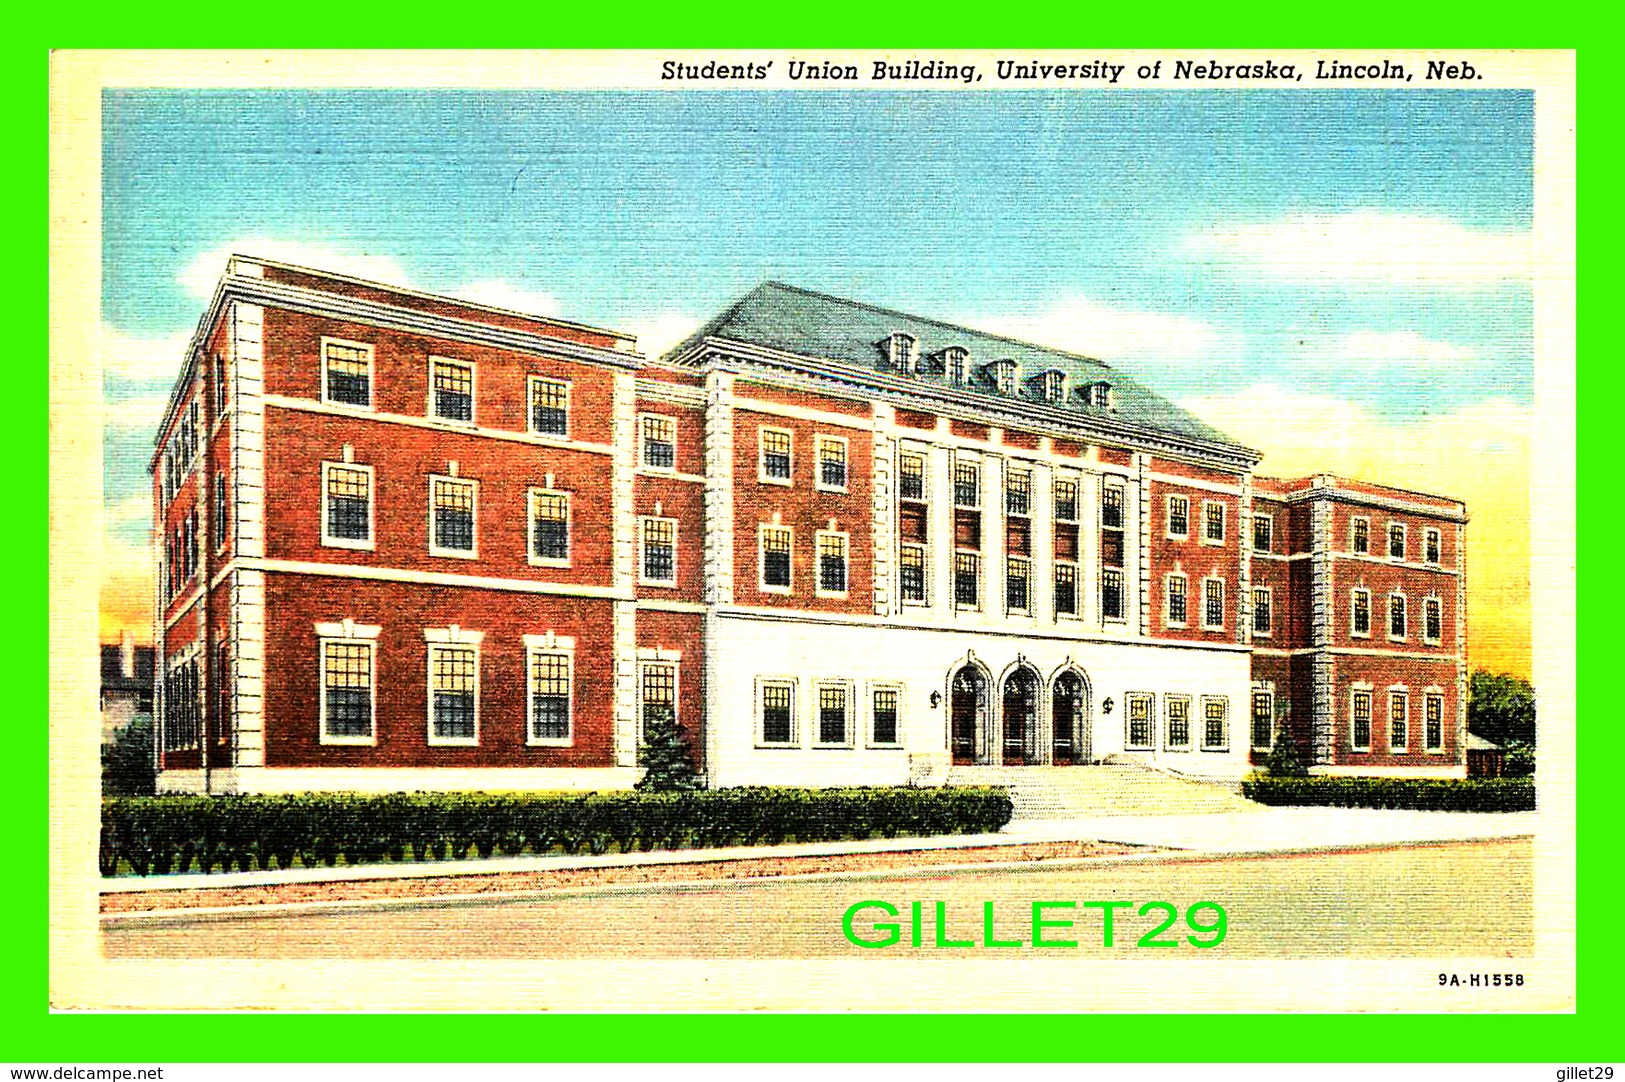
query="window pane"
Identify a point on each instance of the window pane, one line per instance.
(1066, 589)
(1179, 723)
(967, 573)
(1362, 719)
(776, 717)
(967, 483)
(1111, 594)
(1396, 617)
(912, 573)
(453, 386)
(454, 515)
(775, 557)
(911, 477)
(550, 525)
(1111, 507)
(1177, 611)
(832, 463)
(347, 676)
(1066, 501)
(550, 696)
(659, 554)
(1263, 718)
(1215, 732)
(1263, 533)
(659, 442)
(1139, 721)
(1261, 611)
(1213, 516)
(453, 672)
(832, 563)
(349, 376)
(885, 718)
(1017, 493)
(831, 714)
(659, 692)
(549, 407)
(1016, 585)
(776, 455)
(1179, 515)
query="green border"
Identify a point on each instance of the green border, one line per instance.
(34, 1035)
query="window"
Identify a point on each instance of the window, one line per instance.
(1433, 722)
(657, 695)
(1263, 533)
(900, 350)
(832, 463)
(347, 691)
(1017, 584)
(911, 477)
(883, 727)
(967, 484)
(911, 573)
(775, 542)
(773, 463)
(1212, 523)
(833, 702)
(1111, 507)
(955, 361)
(1261, 610)
(549, 527)
(778, 699)
(1138, 712)
(221, 505)
(1111, 594)
(222, 691)
(451, 390)
(549, 697)
(1179, 516)
(1263, 718)
(1179, 722)
(1360, 732)
(1396, 616)
(222, 391)
(831, 564)
(657, 438)
(1360, 535)
(454, 671)
(451, 504)
(1360, 614)
(967, 579)
(1018, 487)
(1066, 501)
(1213, 604)
(1432, 620)
(347, 514)
(1215, 724)
(1396, 541)
(346, 373)
(549, 406)
(1055, 386)
(1098, 395)
(1004, 375)
(1178, 610)
(1066, 589)
(1430, 546)
(658, 542)
(1399, 721)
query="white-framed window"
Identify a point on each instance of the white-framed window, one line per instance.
(1212, 522)
(1006, 375)
(220, 521)
(1263, 533)
(967, 580)
(657, 441)
(1397, 626)
(1263, 605)
(902, 352)
(910, 476)
(1432, 620)
(967, 484)
(657, 551)
(776, 713)
(1360, 613)
(1176, 611)
(1360, 535)
(1098, 394)
(348, 659)
(453, 507)
(1018, 492)
(549, 695)
(911, 574)
(1055, 385)
(1138, 710)
(832, 564)
(454, 693)
(775, 456)
(1263, 727)
(346, 506)
(1018, 584)
(832, 463)
(1396, 540)
(834, 714)
(1111, 505)
(1177, 734)
(1213, 604)
(1179, 516)
(1360, 719)
(774, 545)
(1215, 723)
(1111, 593)
(549, 405)
(1431, 542)
(549, 527)
(657, 694)
(885, 715)
(347, 373)
(222, 388)
(451, 390)
(1399, 720)
(956, 362)
(1433, 721)
(1066, 500)
(1066, 589)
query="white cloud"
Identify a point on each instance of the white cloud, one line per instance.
(1098, 330)
(130, 510)
(502, 294)
(1368, 246)
(143, 412)
(657, 334)
(1400, 347)
(202, 273)
(143, 359)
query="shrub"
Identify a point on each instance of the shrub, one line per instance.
(1283, 760)
(127, 764)
(667, 760)
(171, 834)
(1520, 760)
(1423, 794)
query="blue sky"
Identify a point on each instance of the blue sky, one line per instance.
(1366, 250)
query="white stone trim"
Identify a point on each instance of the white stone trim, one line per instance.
(247, 630)
(305, 405)
(719, 489)
(246, 358)
(1363, 771)
(429, 578)
(453, 635)
(549, 642)
(883, 526)
(287, 780)
(347, 629)
(624, 554)
(624, 742)
(800, 413)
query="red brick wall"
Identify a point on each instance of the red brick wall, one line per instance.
(683, 632)
(689, 456)
(1381, 579)
(804, 399)
(1415, 676)
(685, 502)
(1195, 560)
(1027, 441)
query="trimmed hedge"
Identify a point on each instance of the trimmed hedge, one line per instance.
(175, 834)
(1423, 794)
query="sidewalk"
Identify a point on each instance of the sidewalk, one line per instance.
(1266, 830)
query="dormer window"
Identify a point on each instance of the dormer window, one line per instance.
(1004, 373)
(956, 362)
(1098, 394)
(1055, 386)
(902, 352)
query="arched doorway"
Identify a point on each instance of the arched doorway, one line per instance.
(1021, 718)
(967, 713)
(1069, 723)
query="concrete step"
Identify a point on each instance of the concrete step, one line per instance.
(1040, 792)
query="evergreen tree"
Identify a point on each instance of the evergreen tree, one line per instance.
(1283, 760)
(665, 756)
(127, 768)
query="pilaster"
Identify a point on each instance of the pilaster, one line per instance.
(719, 488)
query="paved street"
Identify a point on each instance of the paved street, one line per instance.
(1459, 898)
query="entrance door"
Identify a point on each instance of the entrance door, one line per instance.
(967, 709)
(1021, 718)
(1066, 713)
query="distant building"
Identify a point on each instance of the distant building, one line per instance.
(126, 685)
(416, 542)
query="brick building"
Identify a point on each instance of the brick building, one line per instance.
(413, 542)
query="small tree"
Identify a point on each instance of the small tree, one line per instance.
(665, 756)
(1501, 708)
(1283, 760)
(127, 762)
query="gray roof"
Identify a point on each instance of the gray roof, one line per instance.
(794, 320)
(1478, 743)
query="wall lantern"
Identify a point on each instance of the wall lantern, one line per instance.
(1106, 705)
(936, 699)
